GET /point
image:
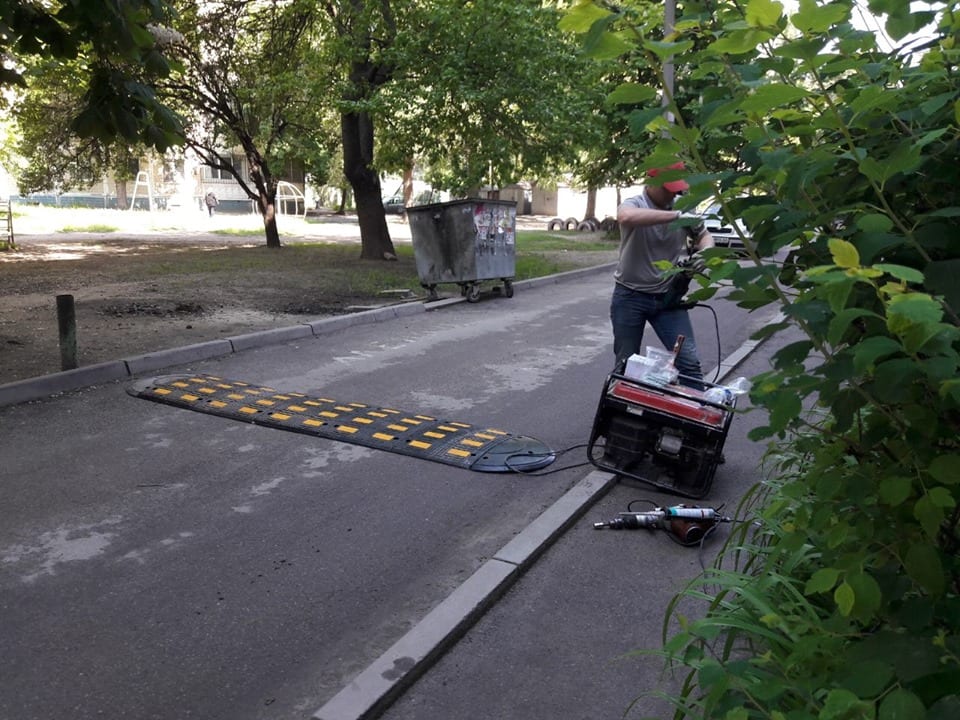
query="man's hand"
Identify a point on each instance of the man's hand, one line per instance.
(694, 265)
(692, 225)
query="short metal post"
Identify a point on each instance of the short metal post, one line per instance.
(67, 327)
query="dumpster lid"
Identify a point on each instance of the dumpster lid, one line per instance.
(464, 201)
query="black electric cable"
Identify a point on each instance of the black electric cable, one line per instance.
(557, 454)
(716, 327)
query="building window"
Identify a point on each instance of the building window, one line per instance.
(234, 161)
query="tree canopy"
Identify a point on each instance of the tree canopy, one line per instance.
(113, 44)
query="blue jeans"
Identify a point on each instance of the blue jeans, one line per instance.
(631, 310)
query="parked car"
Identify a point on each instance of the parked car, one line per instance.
(393, 205)
(724, 235)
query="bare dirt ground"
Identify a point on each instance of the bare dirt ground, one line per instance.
(131, 295)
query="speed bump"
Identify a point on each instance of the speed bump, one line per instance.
(446, 441)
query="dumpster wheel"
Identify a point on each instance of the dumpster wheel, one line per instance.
(508, 287)
(472, 292)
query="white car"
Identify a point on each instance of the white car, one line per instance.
(724, 235)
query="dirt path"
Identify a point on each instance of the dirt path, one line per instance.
(131, 295)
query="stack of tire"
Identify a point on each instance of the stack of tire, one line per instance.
(590, 224)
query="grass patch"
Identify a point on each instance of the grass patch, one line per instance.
(96, 228)
(238, 232)
(542, 240)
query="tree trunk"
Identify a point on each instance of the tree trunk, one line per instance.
(121, 186)
(344, 199)
(357, 132)
(407, 185)
(266, 186)
(268, 211)
(591, 211)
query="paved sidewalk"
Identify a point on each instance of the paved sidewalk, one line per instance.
(571, 607)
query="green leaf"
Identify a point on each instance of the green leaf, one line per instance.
(945, 469)
(839, 705)
(866, 353)
(763, 13)
(892, 379)
(844, 254)
(906, 310)
(737, 714)
(792, 354)
(904, 159)
(607, 46)
(836, 290)
(821, 581)
(631, 94)
(774, 95)
(844, 597)
(874, 222)
(901, 272)
(895, 490)
(814, 17)
(738, 42)
(929, 514)
(841, 322)
(867, 593)
(581, 17)
(666, 50)
(902, 705)
(941, 497)
(867, 678)
(785, 408)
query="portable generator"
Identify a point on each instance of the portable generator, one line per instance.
(667, 435)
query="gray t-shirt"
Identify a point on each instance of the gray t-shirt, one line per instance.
(640, 247)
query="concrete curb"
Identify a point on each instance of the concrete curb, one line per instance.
(383, 681)
(44, 386)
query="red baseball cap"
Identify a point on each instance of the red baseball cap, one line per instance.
(674, 186)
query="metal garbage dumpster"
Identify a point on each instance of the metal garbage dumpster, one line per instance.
(464, 242)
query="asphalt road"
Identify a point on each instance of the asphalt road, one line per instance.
(162, 563)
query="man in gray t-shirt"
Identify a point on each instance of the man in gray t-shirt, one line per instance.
(648, 234)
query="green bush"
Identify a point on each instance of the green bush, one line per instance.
(840, 600)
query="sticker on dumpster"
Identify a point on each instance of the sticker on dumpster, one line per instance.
(424, 436)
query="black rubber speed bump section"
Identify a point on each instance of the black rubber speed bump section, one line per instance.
(422, 436)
